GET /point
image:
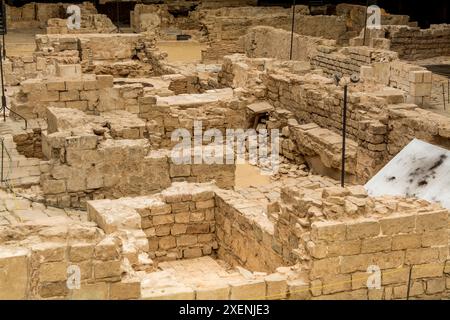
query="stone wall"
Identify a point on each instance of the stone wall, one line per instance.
(90, 23)
(34, 15)
(80, 92)
(39, 269)
(411, 43)
(215, 109)
(397, 236)
(240, 227)
(178, 223)
(414, 80)
(85, 167)
(269, 42)
(377, 116)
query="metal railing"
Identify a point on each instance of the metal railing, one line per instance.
(5, 170)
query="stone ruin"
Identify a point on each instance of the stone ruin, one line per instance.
(91, 183)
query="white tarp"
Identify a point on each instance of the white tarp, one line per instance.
(420, 170)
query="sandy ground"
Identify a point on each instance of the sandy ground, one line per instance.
(182, 51)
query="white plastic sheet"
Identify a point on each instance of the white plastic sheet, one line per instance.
(420, 170)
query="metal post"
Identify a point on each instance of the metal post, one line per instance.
(344, 131)
(4, 29)
(292, 31)
(365, 23)
(443, 95)
(409, 283)
(3, 89)
(3, 146)
(4, 47)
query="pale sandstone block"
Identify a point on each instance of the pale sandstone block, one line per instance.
(205, 204)
(107, 249)
(406, 241)
(328, 231)
(94, 291)
(197, 216)
(435, 285)
(107, 269)
(422, 255)
(213, 292)
(192, 253)
(14, 272)
(163, 219)
(182, 217)
(71, 95)
(344, 248)
(186, 240)
(125, 289)
(276, 286)
(105, 81)
(400, 292)
(167, 242)
(400, 224)
(377, 244)
(74, 85)
(427, 270)
(395, 276)
(323, 267)
(56, 290)
(362, 229)
(432, 221)
(178, 229)
(171, 293)
(435, 238)
(337, 283)
(359, 280)
(53, 186)
(316, 288)
(248, 290)
(48, 252)
(161, 209)
(53, 271)
(298, 290)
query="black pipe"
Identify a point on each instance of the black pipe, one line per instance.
(443, 95)
(344, 131)
(3, 141)
(3, 88)
(4, 29)
(292, 31)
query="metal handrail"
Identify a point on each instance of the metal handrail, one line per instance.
(4, 150)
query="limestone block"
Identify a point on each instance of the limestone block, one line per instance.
(362, 229)
(88, 291)
(125, 289)
(107, 269)
(213, 292)
(81, 252)
(328, 231)
(14, 272)
(248, 290)
(397, 224)
(277, 287)
(68, 70)
(48, 252)
(53, 271)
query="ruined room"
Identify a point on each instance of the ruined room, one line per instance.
(225, 150)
